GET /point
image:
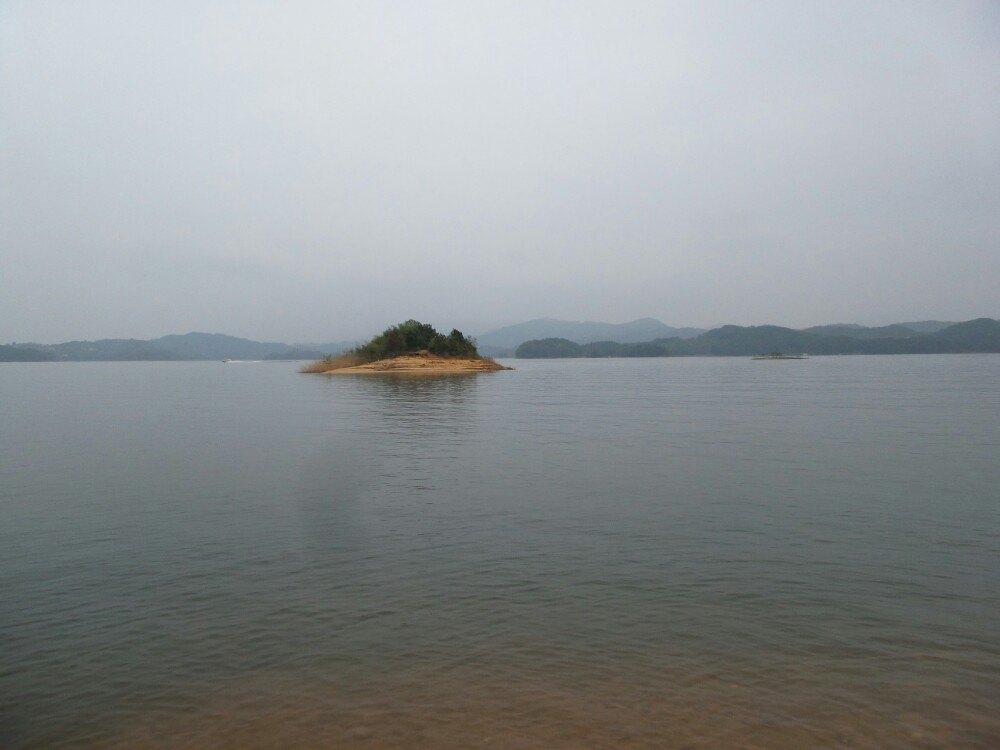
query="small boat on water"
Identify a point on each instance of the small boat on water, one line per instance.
(779, 355)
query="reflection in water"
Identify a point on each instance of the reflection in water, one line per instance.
(439, 403)
(418, 418)
(403, 435)
(388, 435)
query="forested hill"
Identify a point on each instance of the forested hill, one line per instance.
(582, 332)
(190, 346)
(980, 335)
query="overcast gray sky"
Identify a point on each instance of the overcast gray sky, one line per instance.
(316, 171)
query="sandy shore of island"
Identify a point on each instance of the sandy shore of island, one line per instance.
(419, 364)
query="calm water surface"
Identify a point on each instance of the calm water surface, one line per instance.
(694, 553)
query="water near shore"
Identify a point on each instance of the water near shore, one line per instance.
(694, 553)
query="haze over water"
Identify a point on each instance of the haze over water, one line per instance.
(589, 553)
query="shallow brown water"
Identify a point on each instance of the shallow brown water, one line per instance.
(657, 708)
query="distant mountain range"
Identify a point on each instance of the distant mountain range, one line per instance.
(560, 338)
(503, 341)
(190, 346)
(980, 335)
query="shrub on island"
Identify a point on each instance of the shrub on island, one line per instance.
(414, 336)
(400, 340)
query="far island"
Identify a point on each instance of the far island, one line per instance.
(410, 348)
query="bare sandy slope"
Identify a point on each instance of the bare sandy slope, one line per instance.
(420, 364)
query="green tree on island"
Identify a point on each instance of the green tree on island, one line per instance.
(413, 336)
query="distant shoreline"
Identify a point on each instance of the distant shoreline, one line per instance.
(981, 336)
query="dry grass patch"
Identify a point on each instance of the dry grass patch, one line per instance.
(331, 363)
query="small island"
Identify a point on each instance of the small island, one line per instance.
(410, 348)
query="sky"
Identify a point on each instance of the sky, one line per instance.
(316, 171)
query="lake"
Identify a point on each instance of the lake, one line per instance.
(689, 553)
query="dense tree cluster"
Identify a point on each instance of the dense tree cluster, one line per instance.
(413, 336)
